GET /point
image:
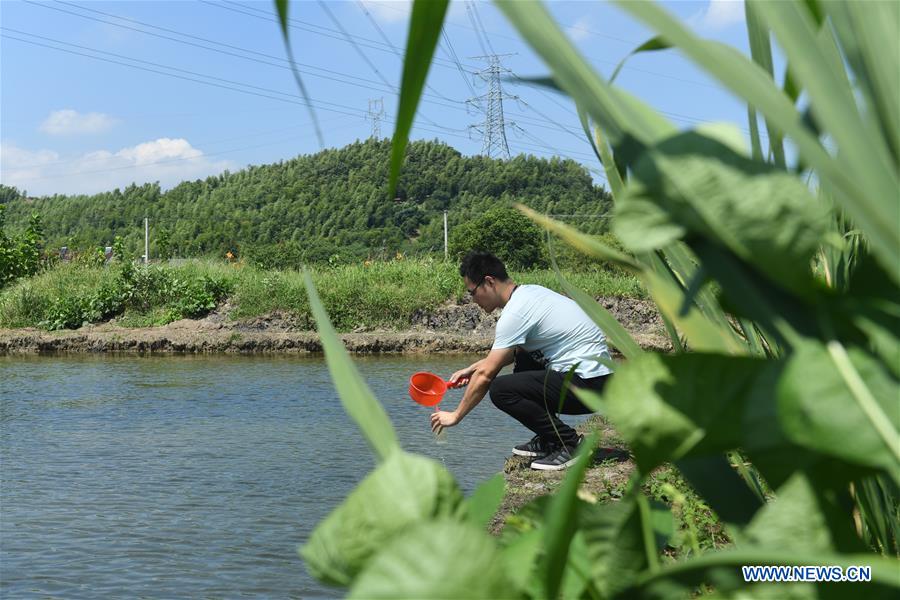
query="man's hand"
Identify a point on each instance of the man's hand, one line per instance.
(441, 419)
(461, 377)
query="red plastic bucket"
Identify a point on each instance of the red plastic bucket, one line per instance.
(427, 388)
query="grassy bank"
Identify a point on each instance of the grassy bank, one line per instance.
(371, 294)
(693, 529)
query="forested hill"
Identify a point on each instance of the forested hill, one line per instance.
(332, 199)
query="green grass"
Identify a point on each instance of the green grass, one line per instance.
(372, 294)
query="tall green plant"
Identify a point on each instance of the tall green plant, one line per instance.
(800, 374)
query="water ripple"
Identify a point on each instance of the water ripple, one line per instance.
(164, 477)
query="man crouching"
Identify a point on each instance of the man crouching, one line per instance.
(546, 335)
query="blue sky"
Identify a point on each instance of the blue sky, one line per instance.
(97, 95)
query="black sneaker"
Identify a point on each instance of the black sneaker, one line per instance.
(533, 448)
(559, 459)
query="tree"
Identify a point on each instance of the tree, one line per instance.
(505, 232)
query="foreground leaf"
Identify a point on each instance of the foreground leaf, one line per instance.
(669, 406)
(615, 544)
(401, 492)
(620, 114)
(482, 505)
(806, 517)
(281, 7)
(869, 202)
(692, 184)
(437, 559)
(562, 518)
(358, 400)
(841, 405)
(424, 29)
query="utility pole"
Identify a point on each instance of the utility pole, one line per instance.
(146, 240)
(493, 129)
(376, 113)
(446, 251)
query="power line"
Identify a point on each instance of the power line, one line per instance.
(396, 51)
(363, 55)
(295, 100)
(330, 74)
(632, 43)
(481, 39)
(290, 98)
(457, 62)
(480, 25)
(265, 15)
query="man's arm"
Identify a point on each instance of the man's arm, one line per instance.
(482, 374)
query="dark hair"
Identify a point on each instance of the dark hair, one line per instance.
(478, 265)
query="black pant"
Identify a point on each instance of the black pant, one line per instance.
(534, 397)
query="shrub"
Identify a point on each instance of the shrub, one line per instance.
(21, 256)
(507, 233)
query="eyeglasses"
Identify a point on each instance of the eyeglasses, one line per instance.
(475, 289)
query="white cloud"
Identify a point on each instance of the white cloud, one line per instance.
(389, 11)
(71, 122)
(44, 172)
(718, 15)
(579, 30)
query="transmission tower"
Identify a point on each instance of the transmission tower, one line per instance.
(376, 113)
(493, 129)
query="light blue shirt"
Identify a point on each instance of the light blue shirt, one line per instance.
(554, 330)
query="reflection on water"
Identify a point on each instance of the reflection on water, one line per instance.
(194, 475)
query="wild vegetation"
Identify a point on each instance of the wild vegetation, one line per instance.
(370, 294)
(21, 256)
(778, 280)
(316, 208)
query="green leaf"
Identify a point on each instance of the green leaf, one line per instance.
(401, 492)
(684, 266)
(581, 241)
(651, 45)
(841, 404)
(577, 576)
(806, 517)
(862, 143)
(358, 400)
(703, 335)
(603, 152)
(615, 544)
(669, 407)
(870, 40)
(424, 31)
(281, 7)
(620, 114)
(691, 184)
(482, 505)
(438, 559)
(618, 336)
(519, 558)
(721, 487)
(867, 197)
(562, 518)
(761, 51)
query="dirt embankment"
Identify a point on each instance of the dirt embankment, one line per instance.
(451, 328)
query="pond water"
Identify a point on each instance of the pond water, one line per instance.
(196, 476)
